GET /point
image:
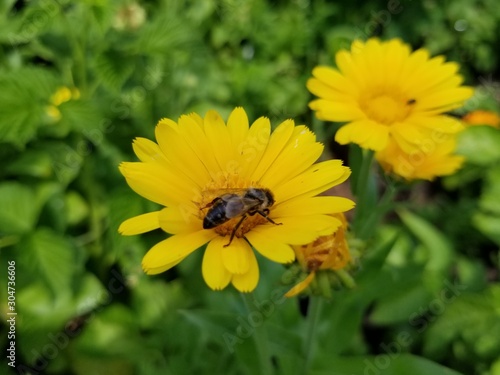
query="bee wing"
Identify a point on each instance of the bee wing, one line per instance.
(234, 207)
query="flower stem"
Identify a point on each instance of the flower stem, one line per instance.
(260, 337)
(313, 316)
(361, 189)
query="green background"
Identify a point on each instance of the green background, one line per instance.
(426, 299)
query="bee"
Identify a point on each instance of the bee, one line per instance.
(244, 203)
(411, 101)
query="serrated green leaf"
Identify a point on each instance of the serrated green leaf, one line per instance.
(24, 97)
(113, 67)
(479, 145)
(473, 320)
(18, 211)
(51, 257)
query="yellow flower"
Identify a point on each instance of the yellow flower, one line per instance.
(199, 163)
(482, 117)
(384, 91)
(433, 160)
(62, 95)
(329, 252)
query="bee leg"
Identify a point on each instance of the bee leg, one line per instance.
(236, 227)
(264, 214)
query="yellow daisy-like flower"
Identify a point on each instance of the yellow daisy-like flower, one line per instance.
(433, 160)
(383, 91)
(482, 117)
(329, 252)
(221, 181)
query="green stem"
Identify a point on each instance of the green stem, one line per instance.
(260, 337)
(361, 188)
(385, 204)
(313, 316)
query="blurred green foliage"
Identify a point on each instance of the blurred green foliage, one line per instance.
(85, 305)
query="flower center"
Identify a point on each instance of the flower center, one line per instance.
(222, 201)
(387, 109)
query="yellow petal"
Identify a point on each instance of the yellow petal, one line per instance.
(255, 150)
(219, 141)
(179, 219)
(178, 152)
(236, 257)
(274, 250)
(316, 179)
(333, 79)
(312, 206)
(191, 129)
(302, 149)
(366, 133)
(174, 249)
(214, 272)
(250, 151)
(445, 97)
(300, 287)
(147, 150)
(237, 125)
(157, 183)
(289, 235)
(338, 111)
(140, 224)
(247, 282)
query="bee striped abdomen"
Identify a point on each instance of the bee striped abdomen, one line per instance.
(217, 215)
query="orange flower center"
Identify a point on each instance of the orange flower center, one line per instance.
(387, 109)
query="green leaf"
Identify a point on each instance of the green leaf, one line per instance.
(113, 67)
(385, 364)
(50, 256)
(479, 145)
(24, 97)
(33, 163)
(19, 210)
(473, 320)
(489, 225)
(77, 208)
(489, 201)
(440, 250)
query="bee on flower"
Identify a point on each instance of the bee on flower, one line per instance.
(235, 187)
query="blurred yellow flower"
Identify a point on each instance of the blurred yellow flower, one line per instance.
(425, 163)
(482, 117)
(62, 95)
(329, 252)
(221, 181)
(384, 91)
